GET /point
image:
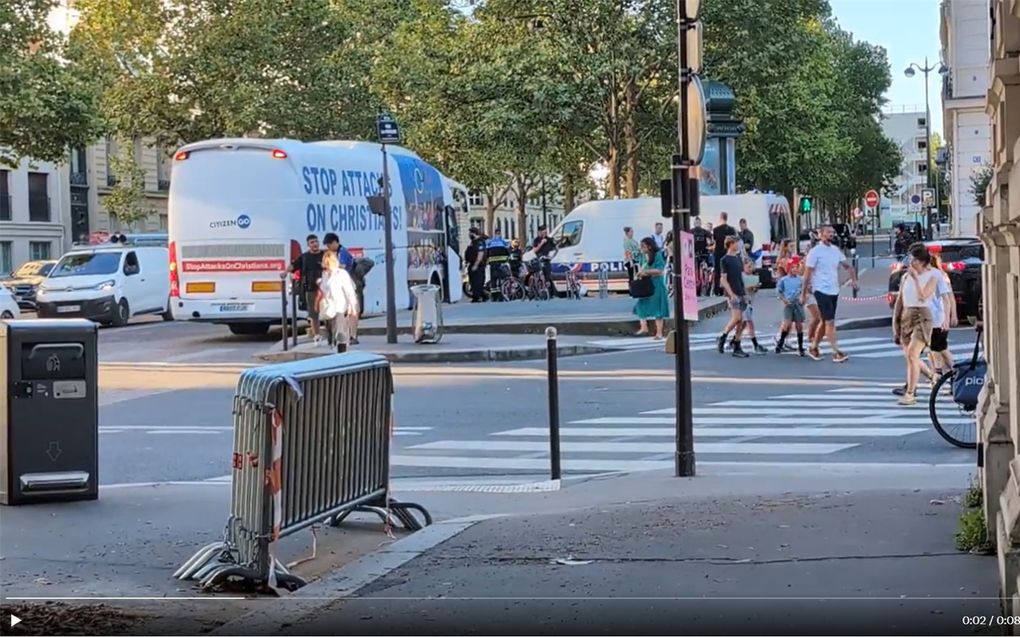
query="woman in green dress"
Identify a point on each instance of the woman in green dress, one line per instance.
(656, 306)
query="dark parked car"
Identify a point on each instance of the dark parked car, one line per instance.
(25, 280)
(845, 238)
(962, 259)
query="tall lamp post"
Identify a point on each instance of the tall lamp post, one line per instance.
(909, 72)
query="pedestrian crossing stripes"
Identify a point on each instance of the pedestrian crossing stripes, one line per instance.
(857, 347)
(792, 428)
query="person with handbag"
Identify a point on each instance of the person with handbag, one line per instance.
(339, 299)
(649, 288)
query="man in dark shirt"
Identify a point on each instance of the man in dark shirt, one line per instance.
(701, 240)
(309, 267)
(543, 246)
(746, 236)
(722, 230)
(474, 255)
(732, 268)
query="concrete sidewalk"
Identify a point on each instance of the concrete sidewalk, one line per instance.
(833, 563)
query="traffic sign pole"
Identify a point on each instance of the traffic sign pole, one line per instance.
(388, 133)
(872, 202)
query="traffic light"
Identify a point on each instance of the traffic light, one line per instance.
(807, 204)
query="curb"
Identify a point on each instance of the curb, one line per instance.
(348, 579)
(865, 323)
(447, 356)
(581, 327)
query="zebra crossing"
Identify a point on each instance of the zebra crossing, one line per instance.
(789, 428)
(856, 347)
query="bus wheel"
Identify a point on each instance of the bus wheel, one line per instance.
(249, 329)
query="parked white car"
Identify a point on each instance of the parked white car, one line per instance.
(8, 305)
(108, 284)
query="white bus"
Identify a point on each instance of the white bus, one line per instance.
(240, 210)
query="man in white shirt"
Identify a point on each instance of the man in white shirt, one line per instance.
(822, 277)
(658, 237)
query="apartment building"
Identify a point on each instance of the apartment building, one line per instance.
(35, 213)
(999, 223)
(964, 31)
(905, 127)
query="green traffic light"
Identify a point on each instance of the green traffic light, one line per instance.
(806, 205)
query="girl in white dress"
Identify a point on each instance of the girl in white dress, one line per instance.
(339, 299)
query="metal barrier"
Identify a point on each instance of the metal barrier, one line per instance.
(311, 445)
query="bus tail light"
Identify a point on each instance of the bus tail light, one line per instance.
(279, 154)
(182, 155)
(175, 281)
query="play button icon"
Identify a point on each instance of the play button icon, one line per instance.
(15, 620)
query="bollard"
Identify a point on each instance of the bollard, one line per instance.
(293, 312)
(283, 315)
(857, 273)
(554, 404)
(604, 281)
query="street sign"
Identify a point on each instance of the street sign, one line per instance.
(697, 121)
(928, 197)
(871, 199)
(387, 129)
(915, 203)
(857, 213)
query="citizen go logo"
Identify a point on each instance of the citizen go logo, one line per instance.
(243, 222)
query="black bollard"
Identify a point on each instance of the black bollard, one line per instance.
(554, 404)
(283, 314)
(293, 313)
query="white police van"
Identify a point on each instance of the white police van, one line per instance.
(241, 209)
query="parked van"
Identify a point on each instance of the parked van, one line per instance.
(108, 284)
(590, 238)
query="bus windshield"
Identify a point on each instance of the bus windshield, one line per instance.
(87, 263)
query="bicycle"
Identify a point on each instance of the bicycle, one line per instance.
(573, 283)
(512, 288)
(537, 285)
(953, 401)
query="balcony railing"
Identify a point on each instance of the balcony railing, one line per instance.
(5, 207)
(39, 208)
(163, 185)
(111, 180)
(80, 179)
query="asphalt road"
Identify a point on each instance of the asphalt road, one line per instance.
(167, 388)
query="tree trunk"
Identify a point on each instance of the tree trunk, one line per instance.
(521, 192)
(632, 174)
(613, 178)
(568, 194)
(490, 214)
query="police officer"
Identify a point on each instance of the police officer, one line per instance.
(497, 252)
(474, 256)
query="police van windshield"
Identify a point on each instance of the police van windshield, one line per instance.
(569, 234)
(87, 263)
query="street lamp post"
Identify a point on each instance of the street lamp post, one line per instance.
(909, 72)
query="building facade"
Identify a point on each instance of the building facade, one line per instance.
(905, 127)
(35, 213)
(999, 223)
(965, 29)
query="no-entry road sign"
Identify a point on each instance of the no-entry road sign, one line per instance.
(871, 199)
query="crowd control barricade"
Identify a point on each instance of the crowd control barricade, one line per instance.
(311, 445)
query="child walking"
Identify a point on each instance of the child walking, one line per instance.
(749, 310)
(789, 287)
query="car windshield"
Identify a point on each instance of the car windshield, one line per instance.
(86, 263)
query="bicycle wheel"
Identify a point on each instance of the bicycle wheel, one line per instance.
(513, 290)
(955, 423)
(539, 288)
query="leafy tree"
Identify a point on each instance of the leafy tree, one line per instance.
(126, 200)
(979, 184)
(46, 105)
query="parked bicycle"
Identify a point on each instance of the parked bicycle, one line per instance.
(572, 282)
(512, 287)
(954, 398)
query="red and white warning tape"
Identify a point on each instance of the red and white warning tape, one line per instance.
(862, 298)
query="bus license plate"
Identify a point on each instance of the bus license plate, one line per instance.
(235, 307)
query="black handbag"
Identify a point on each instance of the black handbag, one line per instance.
(642, 287)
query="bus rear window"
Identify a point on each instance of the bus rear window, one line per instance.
(234, 175)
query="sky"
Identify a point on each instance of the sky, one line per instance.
(909, 31)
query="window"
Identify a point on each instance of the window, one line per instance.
(5, 196)
(569, 234)
(162, 169)
(921, 144)
(476, 222)
(86, 263)
(111, 152)
(922, 122)
(39, 250)
(79, 175)
(475, 199)
(922, 168)
(131, 264)
(6, 264)
(38, 197)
